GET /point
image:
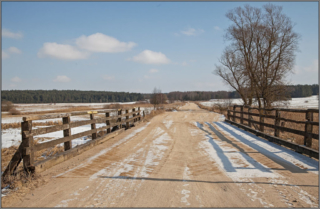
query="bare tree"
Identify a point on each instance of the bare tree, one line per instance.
(261, 53)
(154, 98)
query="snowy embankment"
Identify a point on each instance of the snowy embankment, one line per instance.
(295, 103)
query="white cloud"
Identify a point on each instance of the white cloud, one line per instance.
(8, 34)
(217, 28)
(5, 55)
(151, 57)
(153, 71)
(146, 76)
(61, 79)
(16, 79)
(192, 32)
(99, 42)
(14, 50)
(61, 51)
(108, 77)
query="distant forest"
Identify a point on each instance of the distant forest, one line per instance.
(74, 96)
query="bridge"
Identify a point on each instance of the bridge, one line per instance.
(185, 158)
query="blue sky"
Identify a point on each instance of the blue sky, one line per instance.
(132, 46)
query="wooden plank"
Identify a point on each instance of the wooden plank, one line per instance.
(241, 114)
(134, 115)
(298, 132)
(66, 133)
(51, 161)
(45, 130)
(65, 139)
(234, 114)
(127, 117)
(285, 119)
(261, 119)
(119, 119)
(14, 162)
(308, 130)
(28, 159)
(277, 123)
(108, 122)
(43, 117)
(93, 127)
(249, 121)
(61, 115)
(254, 114)
(301, 111)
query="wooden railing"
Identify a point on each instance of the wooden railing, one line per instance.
(267, 113)
(27, 147)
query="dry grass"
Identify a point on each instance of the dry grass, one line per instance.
(14, 111)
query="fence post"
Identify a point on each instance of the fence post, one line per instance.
(134, 115)
(228, 115)
(234, 109)
(119, 119)
(277, 123)
(308, 130)
(241, 115)
(93, 126)
(139, 114)
(261, 114)
(108, 122)
(127, 119)
(249, 117)
(28, 157)
(67, 132)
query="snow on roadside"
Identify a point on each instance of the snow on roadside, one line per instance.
(10, 137)
(266, 147)
(236, 164)
(167, 123)
(185, 192)
(232, 162)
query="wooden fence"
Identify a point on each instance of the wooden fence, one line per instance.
(267, 113)
(27, 147)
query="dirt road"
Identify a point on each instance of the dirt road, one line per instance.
(181, 159)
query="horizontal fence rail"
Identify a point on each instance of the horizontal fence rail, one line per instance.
(277, 120)
(27, 147)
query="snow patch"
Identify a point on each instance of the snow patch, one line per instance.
(268, 148)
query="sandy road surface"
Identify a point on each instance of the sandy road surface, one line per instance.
(177, 160)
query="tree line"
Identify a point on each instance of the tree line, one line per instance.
(68, 96)
(74, 96)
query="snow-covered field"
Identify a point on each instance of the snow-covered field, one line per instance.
(47, 107)
(296, 103)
